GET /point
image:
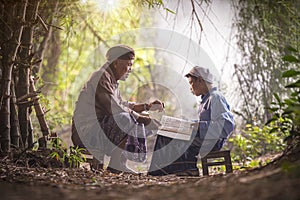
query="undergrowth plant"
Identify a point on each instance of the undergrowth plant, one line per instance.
(60, 153)
(287, 111)
(255, 141)
(284, 126)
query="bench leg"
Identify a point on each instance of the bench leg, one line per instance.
(228, 163)
(204, 166)
(96, 164)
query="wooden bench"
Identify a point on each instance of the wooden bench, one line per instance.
(216, 155)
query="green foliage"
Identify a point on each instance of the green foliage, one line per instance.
(88, 30)
(286, 112)
(256, 141)
(76, 156)
(153, 4)
(290, 58)
(73, 159)
(59, 150)
(263, 30)
(283, 126)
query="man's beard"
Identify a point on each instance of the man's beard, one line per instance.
(124, 77)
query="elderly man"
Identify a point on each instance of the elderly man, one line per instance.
(173, 156)
(105, 124)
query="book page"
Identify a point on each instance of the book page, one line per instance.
(174, 135)
(176, 128)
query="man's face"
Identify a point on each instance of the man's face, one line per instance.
(123, 68)
(197, 85)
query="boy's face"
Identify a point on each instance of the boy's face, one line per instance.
(197, 85)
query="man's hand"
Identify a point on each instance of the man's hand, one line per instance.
(150, 124)
(154, 125)
(156, 105)
(144, 120)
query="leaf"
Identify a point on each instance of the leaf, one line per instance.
(54, 155)
(292, 109)
(290, 48)
(270, 120)
(290, 58)
(289, 101)
(294, 85)
(290, 73)
(273, 109)
(274, 129)
(128, 11)
(277, 98)
(287, 112)
(171, 11)
(294, 94)
(248, 125)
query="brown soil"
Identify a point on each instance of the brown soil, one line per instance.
(31, 179)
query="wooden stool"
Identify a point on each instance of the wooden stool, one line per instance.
(217, 154)
(93, 162)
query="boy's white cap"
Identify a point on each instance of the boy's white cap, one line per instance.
(204, 73)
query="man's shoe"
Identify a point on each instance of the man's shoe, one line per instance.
(113, 170)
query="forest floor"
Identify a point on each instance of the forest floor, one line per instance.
(280, 179)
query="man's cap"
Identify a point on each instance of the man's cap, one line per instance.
(204, 73)
(120, 51)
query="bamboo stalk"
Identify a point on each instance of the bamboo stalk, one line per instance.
(26, 96)
(10, 49)
(15, 129)
(25, 55)
(41, 116)
(30, 131)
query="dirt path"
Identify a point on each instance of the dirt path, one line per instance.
(279, 180)
(276, 184)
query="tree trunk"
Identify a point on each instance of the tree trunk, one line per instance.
(24, 68)
(2, 36)
(40, 115)
(30, 130)
(15, 129)
(13, 32)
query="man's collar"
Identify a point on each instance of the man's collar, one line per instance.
(111, 73)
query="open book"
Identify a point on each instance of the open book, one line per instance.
(176, 128)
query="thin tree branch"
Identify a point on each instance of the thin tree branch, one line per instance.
(42, 22)
(93, 30)
(194, 12)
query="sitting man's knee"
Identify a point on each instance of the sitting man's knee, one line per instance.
(124, 121)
